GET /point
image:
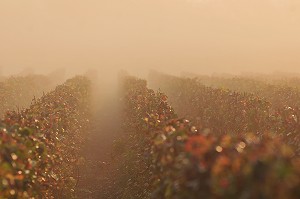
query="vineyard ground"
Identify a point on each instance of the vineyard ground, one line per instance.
(96, 174)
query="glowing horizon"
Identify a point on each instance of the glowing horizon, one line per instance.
(201, 36)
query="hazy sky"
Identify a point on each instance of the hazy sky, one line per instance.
(172, 35)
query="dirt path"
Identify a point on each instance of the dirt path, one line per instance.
(97, 174)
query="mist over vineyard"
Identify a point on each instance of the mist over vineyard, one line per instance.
(149, 99)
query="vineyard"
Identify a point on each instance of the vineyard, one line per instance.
(39, 149)
(166, 138)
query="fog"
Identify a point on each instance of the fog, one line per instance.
(203, 36)
(112, 139)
